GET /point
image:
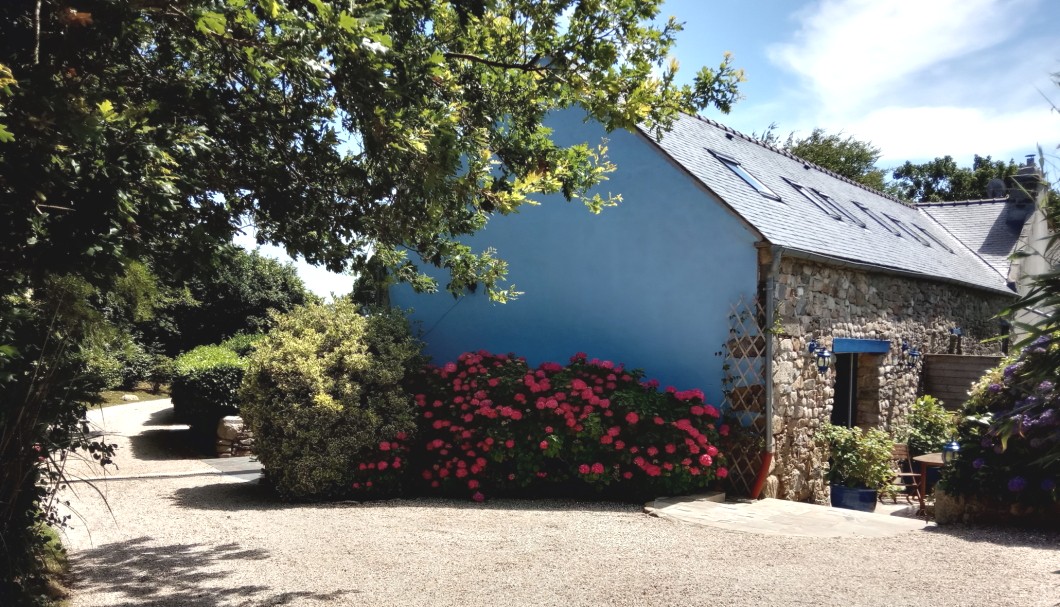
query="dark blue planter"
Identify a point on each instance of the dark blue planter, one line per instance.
(854, 499)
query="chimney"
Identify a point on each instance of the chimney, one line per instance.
(1028, 184)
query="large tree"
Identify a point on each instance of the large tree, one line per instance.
(941, 180)
(846, 156)
(155, 129)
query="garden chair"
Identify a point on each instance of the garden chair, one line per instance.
(905, 481)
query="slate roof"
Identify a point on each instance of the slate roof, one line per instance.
(983, 227)
(796, 223)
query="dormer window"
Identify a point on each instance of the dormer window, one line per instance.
(735, 166)
(866, 210)
(911, 233)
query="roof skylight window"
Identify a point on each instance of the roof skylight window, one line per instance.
(866, 210)
(817, 201)
(735, 166)
(912, 234)
(835, 205)
(934, 238)
(825, 203)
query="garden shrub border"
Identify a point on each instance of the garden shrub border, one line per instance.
(489, 425)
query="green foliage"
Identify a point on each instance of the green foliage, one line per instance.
(942, 180)
(242, 343)
(43, 391)
(490, 425)
(205, 384)
(847, 156)
(233, 294)
(148, 131)
(1009, 433)
(929, 426)
(322, 390)
(859, 458)
(186, 102)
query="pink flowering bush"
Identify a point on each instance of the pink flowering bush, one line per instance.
(490, 425)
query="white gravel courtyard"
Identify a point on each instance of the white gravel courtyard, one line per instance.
(215, 541)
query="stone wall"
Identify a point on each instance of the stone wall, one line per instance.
(822, 302)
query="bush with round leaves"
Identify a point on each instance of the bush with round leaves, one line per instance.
(324, 393)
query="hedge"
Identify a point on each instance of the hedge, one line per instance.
(205, 385)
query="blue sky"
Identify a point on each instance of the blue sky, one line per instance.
(917, 79)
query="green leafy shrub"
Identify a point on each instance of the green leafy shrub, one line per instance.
(859, 458)
(135, 363)
(324, 392)
(929, 426)
(1009, 434)
(242, 343)
(492, 425)
(163, 368)
(205, 383)
(102, 368)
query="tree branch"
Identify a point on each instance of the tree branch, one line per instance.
(529, 66)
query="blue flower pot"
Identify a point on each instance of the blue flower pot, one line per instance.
(854, 499)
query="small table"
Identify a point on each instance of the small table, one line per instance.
(928, 460)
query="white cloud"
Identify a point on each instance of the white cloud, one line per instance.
(956, 131)
(851, 51)
(924, 79)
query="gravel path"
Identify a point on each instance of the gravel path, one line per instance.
(213, 541)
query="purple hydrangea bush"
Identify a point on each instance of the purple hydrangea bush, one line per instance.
(1009, 433)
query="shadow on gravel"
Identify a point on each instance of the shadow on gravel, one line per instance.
(163, 417)
(1001, 536)
(168, 443)
(256, 496)
(143, 574)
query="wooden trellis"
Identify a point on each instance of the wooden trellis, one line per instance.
(744, 388)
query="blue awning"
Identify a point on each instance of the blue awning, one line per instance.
(841, 345)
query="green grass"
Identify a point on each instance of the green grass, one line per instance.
(113, 397)
(55, 566)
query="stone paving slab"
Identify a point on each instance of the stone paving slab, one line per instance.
(780, 517)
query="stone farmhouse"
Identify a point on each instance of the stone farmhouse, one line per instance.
(724, 262)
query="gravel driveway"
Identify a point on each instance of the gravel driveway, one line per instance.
(213, 541)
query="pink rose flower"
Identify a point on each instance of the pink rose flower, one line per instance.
(705, 460)
(584, 469)
(478, 497)
(598, 468)
(632, 417)
(543, 445)
(723, 472)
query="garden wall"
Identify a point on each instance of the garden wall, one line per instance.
(823, 302)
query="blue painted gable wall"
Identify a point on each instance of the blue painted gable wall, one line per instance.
(649, 283)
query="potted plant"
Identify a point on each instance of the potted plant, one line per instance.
(861, 465)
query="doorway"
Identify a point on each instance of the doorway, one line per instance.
(845, 401)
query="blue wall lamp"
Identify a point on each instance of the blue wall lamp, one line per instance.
(823, 357)
(911, 355)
